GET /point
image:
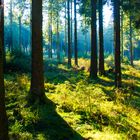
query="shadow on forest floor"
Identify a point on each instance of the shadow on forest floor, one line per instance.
(52, 125)
(31, 122)
(45, 124)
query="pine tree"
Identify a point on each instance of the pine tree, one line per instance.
(93, 68)
(3, 116)
(117, 43)
(69, 35)
(75, 34)
(101, 39)
(37, 76)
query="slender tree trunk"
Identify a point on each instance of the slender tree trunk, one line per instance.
(122, 52)
(117, 43)
(58, 43)
(49, 48)
(20, 45)
(50, 30)
(71, 28)
(75, 34)
(11, 27)
(131, 42)
(69, 37)
(85, 37)
(65, 49)
(86, 45)
(4, 51)
(51, 35)
(3, 116)
(93, 68)
(101, 39)
(37, 77)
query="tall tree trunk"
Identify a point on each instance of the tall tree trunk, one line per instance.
(122, 52)
(20, 45)
(93, 67)
(11, 27)
(58, 43)
(85, 38)
(71, 28)
(65, 49)
(3, 116)
(69, 37)
(4, 51)
(51, 36)
(117, 43)
(75, 34)
(37, 76)
(86, 45)
(131, 42)
(101, 39)
(49, 48)
(50, 30)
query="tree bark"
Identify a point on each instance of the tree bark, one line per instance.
(4, 51)
(58, 43)
(69, 36)
(131, 42)
(93, 67)
(75, 34)
(122, 52)
(3, 116)
(117, 43)
(37, 76)
(101, 39)
(50, 31)
(20, 45)
(51, 35)
(11, 27)
(65, 49)
(71, 28)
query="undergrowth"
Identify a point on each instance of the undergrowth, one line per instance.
(77, 107)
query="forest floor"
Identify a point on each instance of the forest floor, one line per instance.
(78, 108)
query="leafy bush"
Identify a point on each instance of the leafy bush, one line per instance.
(18, 62)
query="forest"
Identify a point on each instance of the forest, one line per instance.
(69, 70)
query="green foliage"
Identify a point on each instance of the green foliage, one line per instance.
(18, 62)
(17, 127)
(77, 107)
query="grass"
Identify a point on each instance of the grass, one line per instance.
(78, 108)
